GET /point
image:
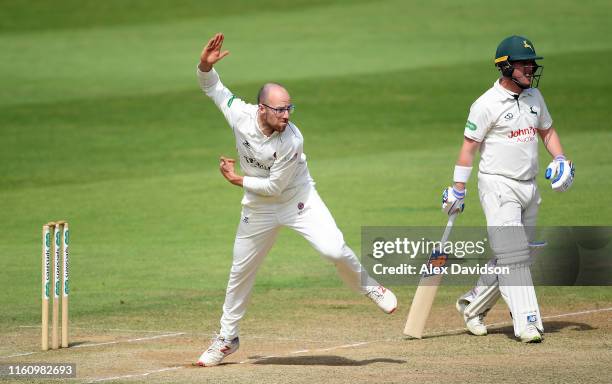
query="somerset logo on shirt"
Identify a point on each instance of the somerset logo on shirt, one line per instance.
(523, 135)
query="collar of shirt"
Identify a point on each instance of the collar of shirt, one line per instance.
(507, 94)
(503, 91)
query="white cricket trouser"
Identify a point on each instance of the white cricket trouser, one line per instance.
(260, 222)
(507, 202)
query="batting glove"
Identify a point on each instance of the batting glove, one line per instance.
(560, 172)
(452, 200)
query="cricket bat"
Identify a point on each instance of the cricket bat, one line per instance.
(426, 291)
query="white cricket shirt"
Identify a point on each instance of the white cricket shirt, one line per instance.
(274, 166)
(506, 124)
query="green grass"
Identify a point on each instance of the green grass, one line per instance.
(102, 123)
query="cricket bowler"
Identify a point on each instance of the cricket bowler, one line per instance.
(278, 191)
(506, 123)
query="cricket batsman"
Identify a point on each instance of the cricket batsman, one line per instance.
(505, 124)
(278, 191)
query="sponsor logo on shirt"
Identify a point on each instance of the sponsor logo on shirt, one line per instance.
(523, 135)
(254, 163)
(471, 126)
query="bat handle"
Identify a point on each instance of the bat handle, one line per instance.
(449, 226)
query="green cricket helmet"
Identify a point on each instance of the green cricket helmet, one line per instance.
(517, 48)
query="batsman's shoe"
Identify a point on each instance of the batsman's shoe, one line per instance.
(531, 334)
(384, 298)
(474, 324)
(217, 351)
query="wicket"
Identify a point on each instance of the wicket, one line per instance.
(59, 244)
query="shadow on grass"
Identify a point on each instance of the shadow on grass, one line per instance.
(81, 343)
(549, 327)
(328, 360)
(508, 330)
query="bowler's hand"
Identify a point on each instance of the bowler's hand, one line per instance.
(226, 166)
(212, 53)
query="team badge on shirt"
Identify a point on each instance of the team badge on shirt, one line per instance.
(300, 208)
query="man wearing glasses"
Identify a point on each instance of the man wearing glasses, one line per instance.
(278, 191)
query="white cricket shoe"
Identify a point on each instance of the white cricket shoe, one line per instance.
(475, 324)
(217, 351)
(531, 334)
(384, 298)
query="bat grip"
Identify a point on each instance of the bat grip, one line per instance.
(449, 226)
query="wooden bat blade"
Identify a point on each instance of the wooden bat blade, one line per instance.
(421, 306)
(426, 291)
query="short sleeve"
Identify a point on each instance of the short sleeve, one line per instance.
(478, 122)
(545, 120)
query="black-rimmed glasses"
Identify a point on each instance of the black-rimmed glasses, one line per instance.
(279, 111)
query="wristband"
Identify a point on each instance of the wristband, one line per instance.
(560, 158)
(462, 174)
